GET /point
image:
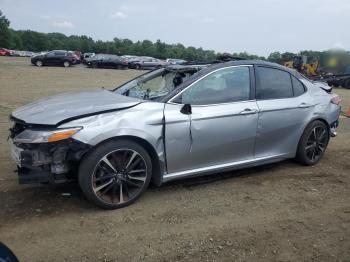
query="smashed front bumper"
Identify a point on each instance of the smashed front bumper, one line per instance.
(50, 162)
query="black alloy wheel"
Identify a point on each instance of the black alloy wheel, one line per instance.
(313, 143)
(115, 174)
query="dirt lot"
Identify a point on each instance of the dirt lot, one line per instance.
(280, 212)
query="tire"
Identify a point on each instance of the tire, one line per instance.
(94, 65)
(39, 63)
(347, 83)
(97, 175)
(66, 64)
(313, 143)
(138, 66)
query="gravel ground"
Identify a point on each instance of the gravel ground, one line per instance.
(279, 212)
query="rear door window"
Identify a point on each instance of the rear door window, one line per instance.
(273, 83)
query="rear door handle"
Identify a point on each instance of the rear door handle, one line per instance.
(304, 105)
(248, 111)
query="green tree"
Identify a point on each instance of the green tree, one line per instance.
(287, 56)
(6, 39)
(275, 57)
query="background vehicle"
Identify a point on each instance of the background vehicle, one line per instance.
(55, 58)
(305, 65)
(76, 55)
(4, 52)
(173, 61)
(22, 53)
(152, 128)
(335, 71)
(86, 56)
(106, 61)
(147, 63)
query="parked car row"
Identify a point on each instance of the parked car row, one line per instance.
(68, 58)
(8, 52)
(127, 61)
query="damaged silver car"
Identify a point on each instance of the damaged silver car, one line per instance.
(172, 123)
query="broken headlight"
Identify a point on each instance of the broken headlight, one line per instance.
(44, 136)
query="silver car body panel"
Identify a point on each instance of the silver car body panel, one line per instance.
(224, 167)
(213, 138)
(52, 110)
(143, 121)
(211, 135)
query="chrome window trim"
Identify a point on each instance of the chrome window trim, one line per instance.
(227, 103)
(170, 101)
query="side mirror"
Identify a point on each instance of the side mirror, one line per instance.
(186, 109)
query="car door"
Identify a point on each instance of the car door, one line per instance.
(155, 63)
(147, 63)
(108, 62)
(284, 110)
(222, 126)
(49, 58)
(114, 63)
(59, 58)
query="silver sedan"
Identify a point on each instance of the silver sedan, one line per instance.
(173, 123)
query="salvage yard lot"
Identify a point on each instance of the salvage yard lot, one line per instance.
(279, 212)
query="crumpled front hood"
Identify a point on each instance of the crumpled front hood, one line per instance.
(72, 105)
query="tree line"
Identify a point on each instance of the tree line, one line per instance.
(35, 41)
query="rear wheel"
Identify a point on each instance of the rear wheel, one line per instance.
(39, 63)
(66, 64)
(138, 66)
(313, 143)
(115, 174)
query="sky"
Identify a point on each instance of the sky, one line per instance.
(255, 26)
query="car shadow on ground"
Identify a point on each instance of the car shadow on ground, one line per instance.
(45, 200)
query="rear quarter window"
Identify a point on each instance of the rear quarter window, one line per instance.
(298, 87)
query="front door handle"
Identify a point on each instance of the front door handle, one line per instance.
(304, 105)
(248, 111)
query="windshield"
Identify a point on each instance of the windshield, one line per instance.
(156, 84)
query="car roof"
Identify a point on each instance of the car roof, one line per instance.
(250, 62)
(210, 67)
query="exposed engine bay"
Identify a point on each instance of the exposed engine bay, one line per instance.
(53, 162)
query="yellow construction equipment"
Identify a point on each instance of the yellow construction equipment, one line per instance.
(303, 65)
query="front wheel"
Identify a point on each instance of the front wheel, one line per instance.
(313, 143)
(66, 64)
(115, 174)
(39, 63)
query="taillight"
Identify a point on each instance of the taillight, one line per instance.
(336, 100)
